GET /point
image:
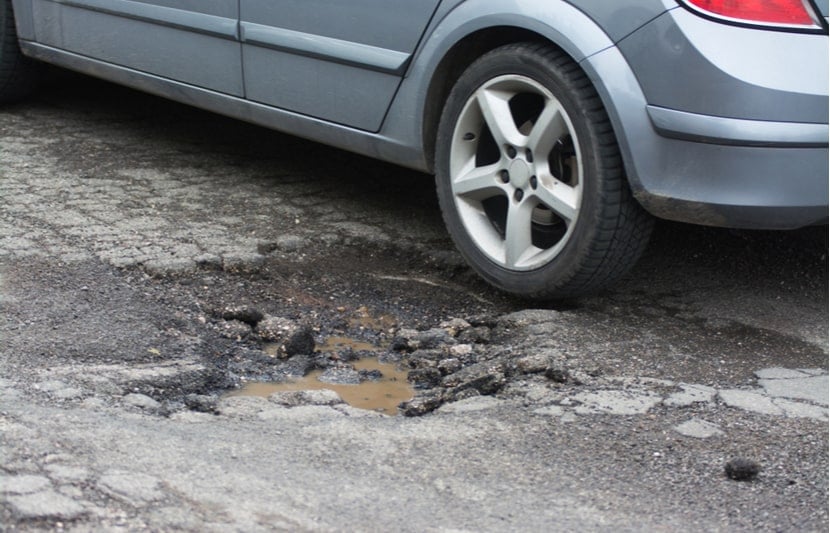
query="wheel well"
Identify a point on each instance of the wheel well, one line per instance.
(459, 57)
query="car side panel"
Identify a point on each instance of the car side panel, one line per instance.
(195, 42)
(338, 60)
(23, 18)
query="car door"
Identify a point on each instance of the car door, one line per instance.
(336, 60)
(192, 41)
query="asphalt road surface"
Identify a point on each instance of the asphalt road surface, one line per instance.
(146, 248)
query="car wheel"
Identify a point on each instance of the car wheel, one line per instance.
(18, 75)
(530, 178)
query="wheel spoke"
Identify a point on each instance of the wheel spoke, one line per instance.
(549, 127)
(517, 240)
(495, 108)
(477, 183)
(559, 198)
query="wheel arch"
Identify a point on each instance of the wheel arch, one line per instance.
(471, 28)
(453, 64)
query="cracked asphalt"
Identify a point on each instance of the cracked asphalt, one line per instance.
(128, 225)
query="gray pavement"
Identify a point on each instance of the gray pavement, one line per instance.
(126, 222)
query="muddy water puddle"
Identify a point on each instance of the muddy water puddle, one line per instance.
(382, 394)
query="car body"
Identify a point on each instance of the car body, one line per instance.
(717, 119)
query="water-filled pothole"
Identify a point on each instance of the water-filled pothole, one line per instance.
(381, 393)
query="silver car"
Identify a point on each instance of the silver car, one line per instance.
(556, 128)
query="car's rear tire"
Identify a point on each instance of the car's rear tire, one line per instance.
(18, 75)
(530, 179)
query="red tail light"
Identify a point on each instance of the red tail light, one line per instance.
(789, 13)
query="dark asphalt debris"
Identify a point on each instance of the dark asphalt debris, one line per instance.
(301, 342)
(742, 469)
(244, 314)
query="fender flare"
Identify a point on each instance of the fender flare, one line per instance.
(555, 20)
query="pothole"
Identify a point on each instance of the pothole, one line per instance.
(365, 383)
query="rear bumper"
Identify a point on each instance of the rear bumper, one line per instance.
(676, 124)
(720, 142)
(738, 186)
(738, 173)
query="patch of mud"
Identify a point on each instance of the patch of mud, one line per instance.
(382, 389)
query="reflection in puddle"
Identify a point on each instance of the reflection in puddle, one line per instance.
(383, 394)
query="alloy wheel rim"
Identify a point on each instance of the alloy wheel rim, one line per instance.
(516, 172)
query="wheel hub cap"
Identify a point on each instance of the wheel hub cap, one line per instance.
(519, 174)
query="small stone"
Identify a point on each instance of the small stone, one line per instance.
(301, 342)
(370, 375)
(201, 403)
(449, 366)
(532, 364)
(459, 395)
(403, 342)
(742, 469)
(461, 350)
(306, 397)
(477, 335)
(409, 340)
(557, 375)
(483, 377)
(454, 326)
(142, 401)
(233, 329)
(276, 328)
(424, 378)
(340, 375)
(424, 358)
(434, 338)
(421, 405)
(246, 314)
